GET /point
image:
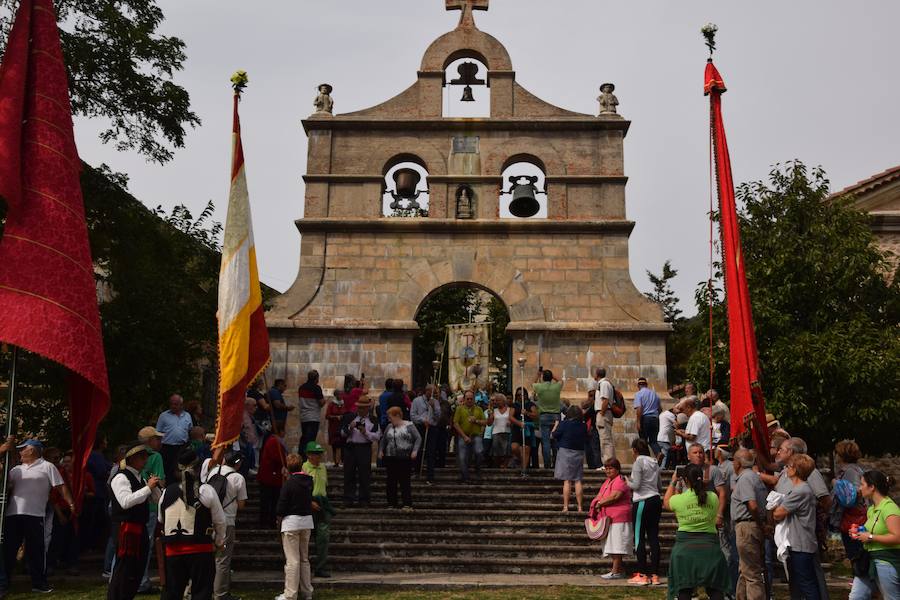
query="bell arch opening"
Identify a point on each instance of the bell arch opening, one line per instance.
(462, 303)
(405, 187)
(524, 191)
(466, 87)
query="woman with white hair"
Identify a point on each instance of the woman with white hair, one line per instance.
(721, 429)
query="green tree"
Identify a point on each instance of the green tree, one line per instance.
(663, 294)
(121, 69)
(826, 312)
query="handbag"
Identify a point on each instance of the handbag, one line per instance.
(598, 525)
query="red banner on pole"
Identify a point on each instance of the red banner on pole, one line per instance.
(746, 394)
(48, 298)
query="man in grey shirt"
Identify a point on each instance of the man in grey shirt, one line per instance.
(425, 413)
(798, 510)
(748, 505)
(311, 402)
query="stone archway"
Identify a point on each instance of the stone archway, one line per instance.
(463, 267)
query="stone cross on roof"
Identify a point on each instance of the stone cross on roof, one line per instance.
(467, 19)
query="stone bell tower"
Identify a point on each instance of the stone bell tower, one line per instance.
(563, 277)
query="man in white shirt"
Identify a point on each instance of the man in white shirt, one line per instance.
(130, 512)
(666, 436)
(697, 430)
(603, 399)
(31, 482)
(234, 498)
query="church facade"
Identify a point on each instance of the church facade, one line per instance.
(562, 273)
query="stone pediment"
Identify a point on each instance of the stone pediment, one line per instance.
(423, 100)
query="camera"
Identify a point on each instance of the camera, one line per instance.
(679, 471)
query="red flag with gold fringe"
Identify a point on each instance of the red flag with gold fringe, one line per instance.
(48, 297)
(746, 394)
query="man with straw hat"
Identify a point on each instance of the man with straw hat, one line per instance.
(130, 512)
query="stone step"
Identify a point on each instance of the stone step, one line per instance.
(446, 542)
(399, 525)
(492, 563)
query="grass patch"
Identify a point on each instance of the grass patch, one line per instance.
(73, 591)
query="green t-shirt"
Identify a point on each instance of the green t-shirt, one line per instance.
(320, 478)
(154, 466)
(876, 523)
(547, 393)
(461, 418)
(691, 516)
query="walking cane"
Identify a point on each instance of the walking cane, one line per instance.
(424, 448)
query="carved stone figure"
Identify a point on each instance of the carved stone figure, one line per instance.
(608, 100)
(464, 204)
(323, 102)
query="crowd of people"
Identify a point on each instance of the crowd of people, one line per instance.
(746, 516)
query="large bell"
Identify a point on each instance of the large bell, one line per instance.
(406, 181)
(524, 204)
(467, 94)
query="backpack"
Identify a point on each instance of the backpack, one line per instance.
(844, 493)
(617, 405)
(219, 482)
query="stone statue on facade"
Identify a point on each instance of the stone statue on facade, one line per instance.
(608, 100)
(323, 102)
(464, 204)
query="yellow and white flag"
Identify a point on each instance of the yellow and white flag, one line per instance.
(243, 338)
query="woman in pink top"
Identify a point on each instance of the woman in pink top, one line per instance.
(614, 500)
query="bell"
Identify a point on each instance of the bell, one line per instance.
(523, 204)
(467, 94)
(406, 181)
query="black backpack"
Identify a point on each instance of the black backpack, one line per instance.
(219, 482)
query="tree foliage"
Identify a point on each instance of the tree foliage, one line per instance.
(826, 311)
(121, 69)
(663, 294)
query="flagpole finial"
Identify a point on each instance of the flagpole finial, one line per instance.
(239, 81)
(709, 33)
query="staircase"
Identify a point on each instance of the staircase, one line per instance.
(505, 525)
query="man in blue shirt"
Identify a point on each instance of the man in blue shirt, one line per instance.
(175, 426)
(646, 409)
(276, 398)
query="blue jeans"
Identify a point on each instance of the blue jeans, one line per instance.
(804, 581)
(664, 448)
(547, 421)
(650, 431)
(464, 451)
(886, 580)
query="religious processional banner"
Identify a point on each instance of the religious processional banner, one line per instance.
(746, 393)
(48, 296)
(469, 353)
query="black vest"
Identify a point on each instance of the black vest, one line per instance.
(184, 524)
(139, 513)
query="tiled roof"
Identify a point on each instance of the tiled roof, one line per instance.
(873, 182)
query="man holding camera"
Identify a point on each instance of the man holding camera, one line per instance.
(360, 430)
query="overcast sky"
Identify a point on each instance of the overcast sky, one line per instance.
(815, 80)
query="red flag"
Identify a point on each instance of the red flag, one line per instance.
(48, 298)
(746, 394)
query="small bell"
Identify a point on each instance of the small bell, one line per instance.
(467, 94)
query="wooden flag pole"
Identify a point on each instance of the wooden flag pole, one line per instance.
(9, 428)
